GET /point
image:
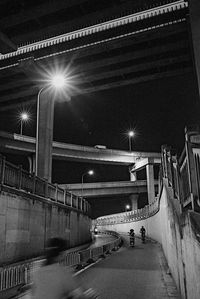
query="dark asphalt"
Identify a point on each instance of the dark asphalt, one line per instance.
(131, 273)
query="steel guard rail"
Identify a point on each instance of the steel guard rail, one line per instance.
(135, 215)
(15, 177)
(17, 276)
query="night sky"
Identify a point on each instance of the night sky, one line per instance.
(157, 110)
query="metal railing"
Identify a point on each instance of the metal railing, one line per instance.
(135, 215)
(182, 175)
(15, 177)
(19, 275)
(177, 173)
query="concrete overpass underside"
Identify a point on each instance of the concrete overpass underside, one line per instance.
(108, 43)
(107, 189)
(25, 145)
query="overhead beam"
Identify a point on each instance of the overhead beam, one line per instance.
(38, 11)
(140, 53)
(106, 75)
(174, 31)
(170, 73)
(137, 80)
(176, 46)
(117, 23)
(134, 68)
(80, 21)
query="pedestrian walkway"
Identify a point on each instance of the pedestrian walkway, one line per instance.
(137, 273)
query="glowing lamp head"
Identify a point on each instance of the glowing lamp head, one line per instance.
(131, 134)
(127, 207)
(90, 172)
(24, 116)
(58, 81)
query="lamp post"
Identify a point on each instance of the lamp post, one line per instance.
(23, 118)
(90, 172)
(37, 130)
(57, 82)
(130, 135)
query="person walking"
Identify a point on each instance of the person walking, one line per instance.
(143, 234)
(53, 280)
(132, 237)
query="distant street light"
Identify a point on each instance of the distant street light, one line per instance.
(58, 82)
(131, 134)
(128, 207)
(90, 172)
(23, 118)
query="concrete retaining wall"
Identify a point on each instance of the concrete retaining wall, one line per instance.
(179, 238)
(25, 225)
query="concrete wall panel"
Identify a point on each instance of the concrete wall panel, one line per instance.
(26, 224)
(180, 242)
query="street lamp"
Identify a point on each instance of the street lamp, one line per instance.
(57, 81)
(127, 207)
(90, 172)
(130, 136)
(23, 118)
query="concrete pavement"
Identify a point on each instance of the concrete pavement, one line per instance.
(137, 273)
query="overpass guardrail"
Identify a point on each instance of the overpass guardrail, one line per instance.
(21, 275)
(20, 179)
(135, 215)
(183, 174)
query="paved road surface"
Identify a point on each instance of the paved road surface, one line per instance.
(130, 273)
(101, 239)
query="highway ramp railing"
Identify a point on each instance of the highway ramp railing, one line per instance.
(131, 216)
(15, 177)
(17, 276)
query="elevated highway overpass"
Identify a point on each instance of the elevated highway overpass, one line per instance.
(102, 189)
(111, 44)
(25, 145)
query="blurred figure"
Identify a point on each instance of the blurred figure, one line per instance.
(132, 237)
(143, 233)
(54, 281)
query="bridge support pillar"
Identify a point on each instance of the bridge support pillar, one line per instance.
(31, 161)
(150, 183)
(134, 201)
(133, 174)
(44, 138)
(194, 13)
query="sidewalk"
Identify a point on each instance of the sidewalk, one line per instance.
(98, 240)
(138, 273)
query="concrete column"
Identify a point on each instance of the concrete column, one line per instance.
(150, 183)
(134, 201)
(194, 13)
(45, 115)
(31, 161)
(133, 174)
